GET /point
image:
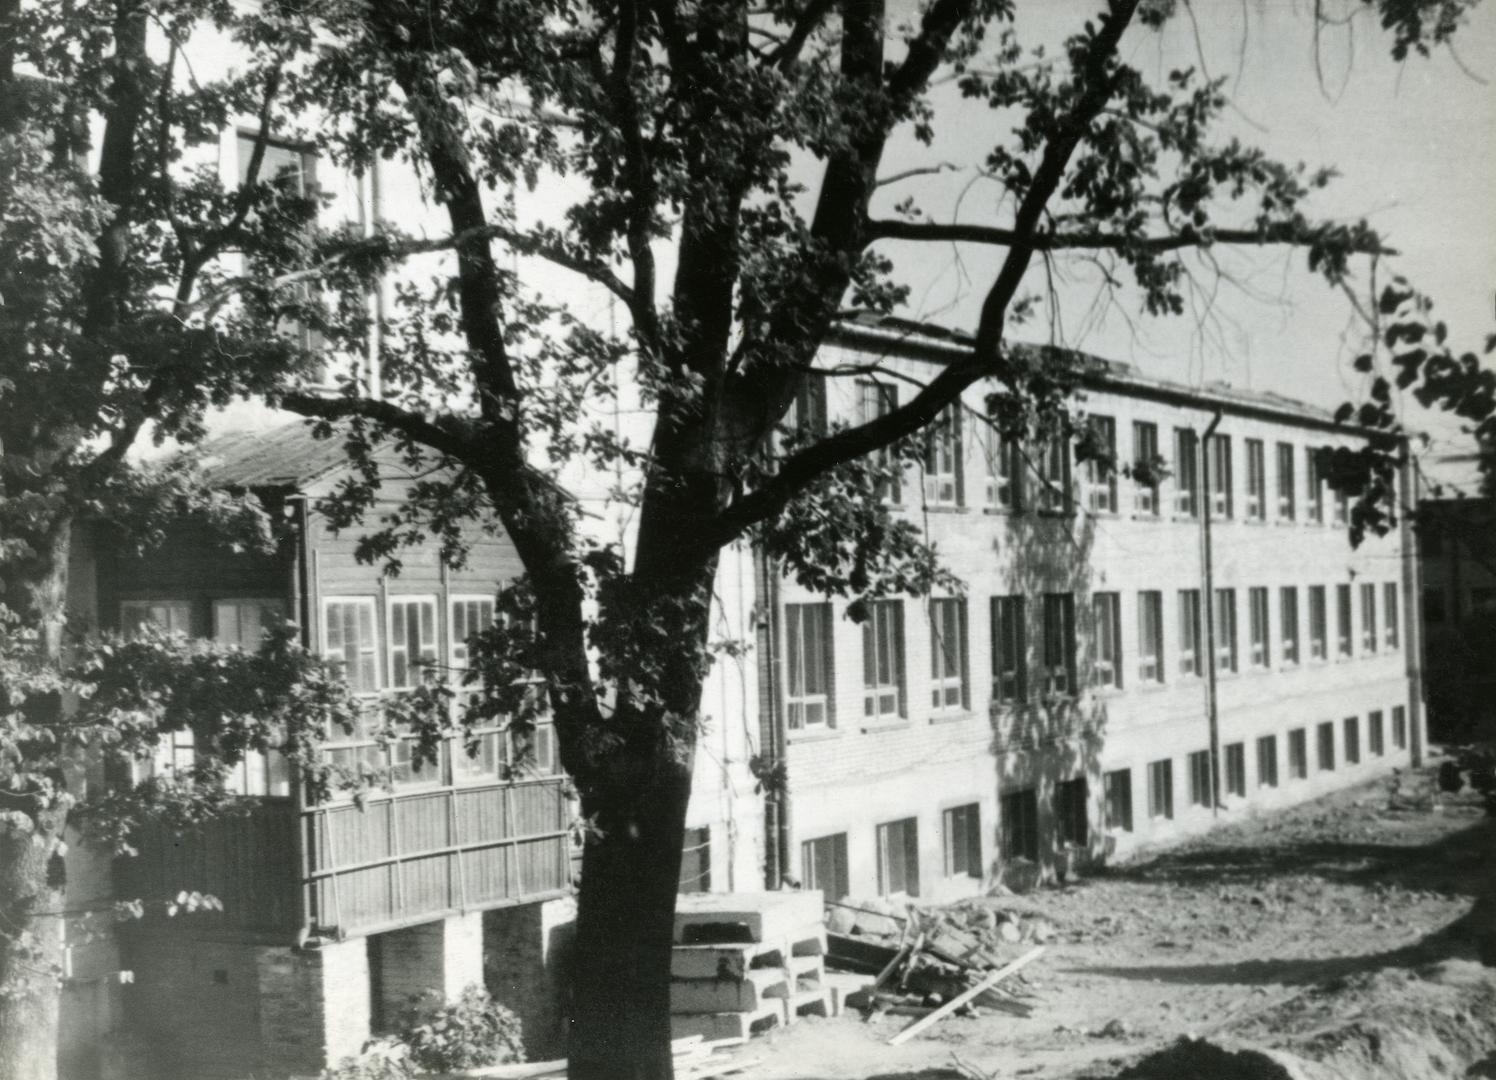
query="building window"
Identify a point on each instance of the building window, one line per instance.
(1004, 469)
(696, 861)
(1433, 604)
(1189, 632)
(1220, 476)
(471, 615)
(1186, 473)
(1161, 789)
(1376, 737)
(1145, 459)
(1020, 825)
(483, 753)
(1368, 618)
(1351, 738)
(823, 865)
(1267, 761)
(1101, 476)
(1225, 630)
(349, 642)
(949, 675)
(963, 841)
(1316, 485)
(412, 641)
(1343, 620)
(1106, 616)
(1256, 481)
(1200, 785)
(1151, 636)
(943, 465)
(1058, 659)
(806, 415)
(1257, 616)
(243, 622)
(1116, 787)
(1052, 470)
(875, 400)
(1288, 617)
(1236, 769)
(898, 858)
(1009, 651)
(168, 616)
(1287, 502)
(883, 660)
(290, 171)
(1389, 614)
(1317, 622)
(807, 651)
(1298, 754)
(1325, 746)
(1072, 812)
(1399, 727)
(1342, 506)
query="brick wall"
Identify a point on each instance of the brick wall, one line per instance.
(526, 954)
(443, 957)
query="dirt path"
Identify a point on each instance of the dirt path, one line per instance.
(1279, 930)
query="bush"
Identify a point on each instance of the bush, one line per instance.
(471, 1032)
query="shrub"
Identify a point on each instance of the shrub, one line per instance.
(471, 1032)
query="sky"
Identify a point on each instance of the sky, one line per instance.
(1415, 144)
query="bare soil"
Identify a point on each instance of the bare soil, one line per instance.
(1332, 940)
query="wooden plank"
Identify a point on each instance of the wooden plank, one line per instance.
(956, 1002)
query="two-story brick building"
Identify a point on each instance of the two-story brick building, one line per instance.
(1058, 707)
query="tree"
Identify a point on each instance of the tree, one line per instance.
(747, 140)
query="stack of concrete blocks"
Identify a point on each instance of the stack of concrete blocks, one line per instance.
(747, 962)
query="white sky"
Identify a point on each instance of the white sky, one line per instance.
(1416, 146)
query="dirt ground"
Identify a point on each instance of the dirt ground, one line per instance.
(1335, 937)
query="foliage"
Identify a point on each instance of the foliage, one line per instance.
(469, 1033)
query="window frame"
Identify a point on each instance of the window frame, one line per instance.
(1009, 647)
(811, 855)
(1391, 631)
(1145, 453)
(798, 707)
(1116, 790)
(943, 459)
(1324, 746)
(961, 841)
(874, 400)
(1235, 767)
(1399, 727)
(1072, 810)
(1161, 790)
(1191, 634)
(875, 637)
(1267, 761)
(1259, 629)
(1298, 753)
(1370, 630)
(392, 645)
(1287, 483)
(1345, 642)
(1106, 640)
(1058, 674)
(1052, 488)
(1019, 831)
(1220, 477)
(1376, 733)
(1350, 739)
(1101, 491)
(1227, 657)
(1005, 470)
(1256, 505)
(1315, 481)
(1151, 661)
(373, 650)
(1288, 625)
(942, 680)
(907, 851)
(1201, 781)
(1319, 623)
(1186, 473)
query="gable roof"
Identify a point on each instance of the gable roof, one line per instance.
(285, 457)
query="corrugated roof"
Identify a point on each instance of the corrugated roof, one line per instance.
(281, 457)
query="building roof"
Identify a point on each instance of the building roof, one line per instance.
(289, 456)
(938, 342)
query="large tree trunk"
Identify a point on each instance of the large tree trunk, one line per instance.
(32, 822)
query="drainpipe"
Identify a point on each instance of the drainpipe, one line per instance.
(1412, 613)
(1210, 650)
(772, 737)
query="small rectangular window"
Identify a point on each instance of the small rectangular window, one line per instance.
(1220, 476)
(1288, 617)
(1298, 754)
(349, 642)
(1072, 811)
(1005, 469)
(1343, 620)
(1368, 618)
(806, 416)
(1106, 620)
(1161, 789)
(875, 400)
(1052, 476)
(1325, 746)
(1287, 491)
(244, 622)
(1101, 477)
(1058, 659)
(823, 865)
(1009, 650)
(898, 858)
(1186, 473)
(168, 616)
(1316, 485)
(1190, 656)
(1389, 613)
(950, 683)
(412, 641)
(1256, 481)
(943, 465)
(963, 841)
(808, 664)
(1399, 727)
(1261, 644)
(1020, 825)
(883, 660)
(1117, 790)
(1151, 636)
(1236, 769)
(1267, 761)
(1200, 780)
(1376, 736)
(1318, 624)
(1225, 630)
(1145, 463)
(1351, 739)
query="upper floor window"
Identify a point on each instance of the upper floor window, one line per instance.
(1261, 652)
(807, 650)
(1145, 459)
(883, 660)
(1106, 618)
(1389, 609)
(1343, 620)
(1288, 616)
(1058, 658)
(806, 415)
(1009, 681)
(412, 640)
(1186, 472)
(1052, 469)
(1287, 491)
(1368, 618)
(1101, 476)
(943, 464)
(244, 622)
(948, 671)
(1190, 658)
(1316, 485)
(1220, 476)
(1256, 481)
(1151, 636)
(1342, 506)
(1004, 469)
(1225, 630)
(471, 615)
(1318, 623)
(349, 641)
(875, 400)
(291, 171)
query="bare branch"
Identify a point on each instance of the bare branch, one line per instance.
(926, 170)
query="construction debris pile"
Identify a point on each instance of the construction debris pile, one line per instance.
(934, 962)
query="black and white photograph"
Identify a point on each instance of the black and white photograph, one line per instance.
(775, 540)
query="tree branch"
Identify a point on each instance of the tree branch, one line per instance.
(813, 14)
(440, 437)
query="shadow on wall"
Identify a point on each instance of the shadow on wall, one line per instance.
(1047, 740)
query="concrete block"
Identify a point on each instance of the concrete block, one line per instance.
(745, 917)
(748, 994)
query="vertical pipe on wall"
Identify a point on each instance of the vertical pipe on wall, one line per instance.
(1412, 612)
(1210, 647)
